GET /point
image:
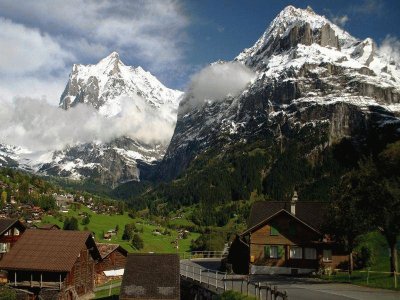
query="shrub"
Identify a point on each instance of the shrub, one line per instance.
(137, 242)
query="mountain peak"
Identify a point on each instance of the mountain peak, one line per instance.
(106, 83)
(293, 26)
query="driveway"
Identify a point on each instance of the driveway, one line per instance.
(297, 288)
(306, 288)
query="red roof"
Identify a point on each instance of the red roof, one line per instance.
(48, 250)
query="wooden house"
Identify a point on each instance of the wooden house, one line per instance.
(10, 231)
(287, 238)
(52, 264)
(151, 276)
(112, 262)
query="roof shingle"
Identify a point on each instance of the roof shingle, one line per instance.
(47, 250)
(311, 213)
(151, 276)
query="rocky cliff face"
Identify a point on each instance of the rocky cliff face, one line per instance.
(313, 80)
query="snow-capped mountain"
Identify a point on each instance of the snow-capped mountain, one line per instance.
(313, 81)
(107, 86)
(104, 85)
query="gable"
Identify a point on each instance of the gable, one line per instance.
(282, 213)
(283, 228)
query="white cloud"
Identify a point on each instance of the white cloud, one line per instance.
(26, 50)
(38, 126)
(41, 39)
(340, 20)
(368, 7)
(390, 48)
(215, 83)
(150, 31)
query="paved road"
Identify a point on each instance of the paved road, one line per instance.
(297, 288)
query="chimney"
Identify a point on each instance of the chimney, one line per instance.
(293, 203)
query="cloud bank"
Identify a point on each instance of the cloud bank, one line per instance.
(41, 39)
(215, 83)
(38, 126)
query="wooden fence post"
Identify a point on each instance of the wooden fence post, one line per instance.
(216, 280)
(225, 282)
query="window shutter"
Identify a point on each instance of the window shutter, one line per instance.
(274, 231)
(267, 251)
(281, 251)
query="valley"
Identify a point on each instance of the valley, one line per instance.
(304, 123)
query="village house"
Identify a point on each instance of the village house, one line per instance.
(151, 276)
(112, 263)
(10, 231)
(287, 238)
(52, 264)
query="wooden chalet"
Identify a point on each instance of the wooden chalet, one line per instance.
(151, 276)
(112, 262)
(286, 238)
(52, 264)
(10, 231)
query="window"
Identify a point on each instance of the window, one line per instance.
(274, 230)
(310, 253)
(296, 252)
(3, 247)
(16, 231)
(327, 255)
(273, 251)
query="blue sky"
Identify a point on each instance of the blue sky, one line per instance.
(41, 39)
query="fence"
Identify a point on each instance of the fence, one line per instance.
(221, 281)
(108, 287)
(367, 277)
(202, 254)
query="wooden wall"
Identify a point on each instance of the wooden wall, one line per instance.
(82, 273)
(114, 261)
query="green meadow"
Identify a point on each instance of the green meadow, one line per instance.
(101, 223)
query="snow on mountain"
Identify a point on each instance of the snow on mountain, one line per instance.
(308, 71)
(129, 98)
(104, 85)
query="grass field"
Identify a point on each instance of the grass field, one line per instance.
(100, 223)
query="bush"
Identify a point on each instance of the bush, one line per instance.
(231, 295)
(71, 224)
(7, 293)
(128, 232)
(364, 258)
(86, 220)
(137, 242)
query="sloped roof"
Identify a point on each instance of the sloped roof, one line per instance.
(310, 213)
(47, 226)
(6, 224)
(151, 276)
(48, 250)
(106, 249)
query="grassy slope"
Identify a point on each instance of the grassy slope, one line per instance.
(100, 223)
